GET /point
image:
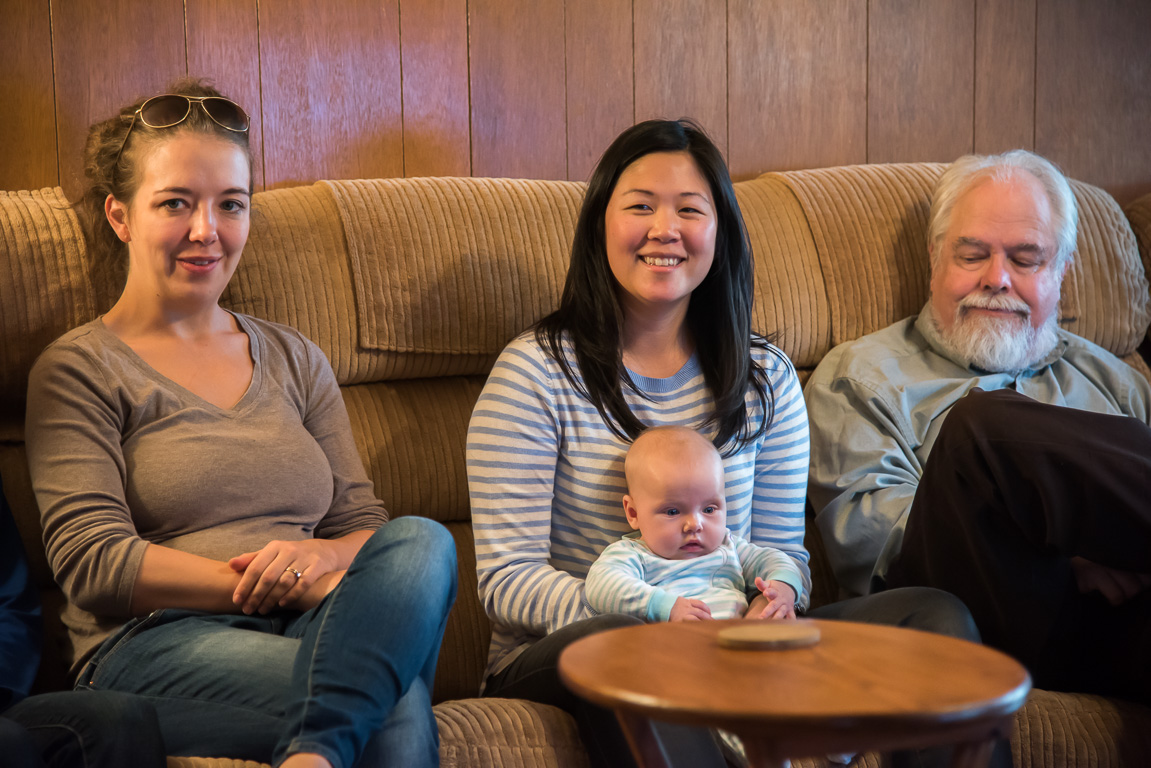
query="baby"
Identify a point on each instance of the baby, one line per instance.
(682, 564)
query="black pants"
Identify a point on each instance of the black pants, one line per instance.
(1012, 490)
(92, 729)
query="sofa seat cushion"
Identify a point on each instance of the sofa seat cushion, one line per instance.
(507, 733)
(480, 733)
(1077, 730)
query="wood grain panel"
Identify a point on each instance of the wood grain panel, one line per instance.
(681, 62)
(107, 55)
(330, 77)
(920, 80)
(523, 88)
(434, 50)
(28, 134)
(797, 85)
(1004, 75)
(224, 46)
(600, 101)
(1093, 101)
(517, 81)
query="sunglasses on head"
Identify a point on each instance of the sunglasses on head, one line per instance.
(171, 109)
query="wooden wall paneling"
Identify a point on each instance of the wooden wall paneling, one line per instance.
(434, 52)
(797, 85)
(224, 46)
(600, 100)
(519, 121)
(28, 132)
(681, 62)
(1093, 92)
(330, 76)
(534, 88)
(106, 55)
(921, 60)
(1004, 75)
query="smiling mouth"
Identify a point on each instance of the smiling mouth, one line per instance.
(198, 262)
(660, 261)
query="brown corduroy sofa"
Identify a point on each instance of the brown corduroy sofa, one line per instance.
(412, 286)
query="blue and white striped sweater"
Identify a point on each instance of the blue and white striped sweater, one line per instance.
(545, 475)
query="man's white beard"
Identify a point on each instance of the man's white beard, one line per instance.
(996, 344)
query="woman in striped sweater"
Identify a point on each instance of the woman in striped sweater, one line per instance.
(653, 328)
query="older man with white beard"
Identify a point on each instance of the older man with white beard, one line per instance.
(980, 449)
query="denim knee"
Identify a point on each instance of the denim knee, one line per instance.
(429, 537)
(431, 540)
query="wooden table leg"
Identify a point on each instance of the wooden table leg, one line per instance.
(648, 753)
(641, 736)
(973, 754)
(760, 754)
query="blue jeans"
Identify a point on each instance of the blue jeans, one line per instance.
(350, 679)
(101, 729)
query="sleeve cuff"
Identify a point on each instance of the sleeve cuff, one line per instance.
(660, 605)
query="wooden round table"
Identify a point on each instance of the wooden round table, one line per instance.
(861, 687)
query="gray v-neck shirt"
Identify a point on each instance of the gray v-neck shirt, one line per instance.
(120, 456)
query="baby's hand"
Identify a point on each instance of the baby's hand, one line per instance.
(688, 609)
(780, 599)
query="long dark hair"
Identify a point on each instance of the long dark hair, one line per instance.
(718, 314)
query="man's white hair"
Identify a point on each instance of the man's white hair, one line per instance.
(961, 175)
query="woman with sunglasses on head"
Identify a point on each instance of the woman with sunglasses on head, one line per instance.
(653, 328)
(204, 505)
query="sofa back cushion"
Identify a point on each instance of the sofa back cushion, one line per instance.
(790, 297)
(45, 290)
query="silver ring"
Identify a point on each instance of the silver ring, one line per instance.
(294, 572)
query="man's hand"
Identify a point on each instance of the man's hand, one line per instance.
(779, 597)
(1115, 585)
(689, 609)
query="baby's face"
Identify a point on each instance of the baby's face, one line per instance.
(677, 504)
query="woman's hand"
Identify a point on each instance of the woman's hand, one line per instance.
(269, 579)
(775, 601)
(318, 591)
